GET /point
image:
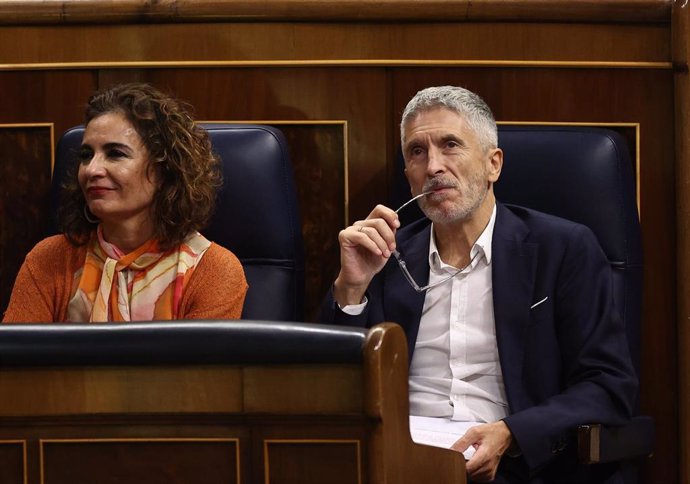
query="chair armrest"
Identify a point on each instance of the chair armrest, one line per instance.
(598, 443)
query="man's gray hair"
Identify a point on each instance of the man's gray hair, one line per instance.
(467, 104)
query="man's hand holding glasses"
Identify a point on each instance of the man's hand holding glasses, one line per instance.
(366, 246)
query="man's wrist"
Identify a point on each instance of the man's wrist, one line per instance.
(513, 449)
(346, 295)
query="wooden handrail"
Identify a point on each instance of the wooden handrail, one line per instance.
(36, 12)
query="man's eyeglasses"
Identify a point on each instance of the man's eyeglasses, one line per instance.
(403, 265)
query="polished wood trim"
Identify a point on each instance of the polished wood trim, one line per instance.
(328, 43)
(346, 192)
(681, 58)
(141, 440)
(337, 63)
(357, 442)
(23, 12)
(43, 442)
(26, 125)
(301, 122)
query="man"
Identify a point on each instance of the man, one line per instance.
(511, 323)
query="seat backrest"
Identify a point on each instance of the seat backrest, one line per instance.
(585, 175)
(256, 216)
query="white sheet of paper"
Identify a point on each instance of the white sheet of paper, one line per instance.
(439, 432)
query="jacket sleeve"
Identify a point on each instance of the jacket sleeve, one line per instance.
(330, 313)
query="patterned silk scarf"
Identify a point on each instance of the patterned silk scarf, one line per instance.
(144, 285)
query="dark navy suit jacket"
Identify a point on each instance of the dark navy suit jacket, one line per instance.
(565, 362)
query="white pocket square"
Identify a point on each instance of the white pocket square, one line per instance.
(538, 303)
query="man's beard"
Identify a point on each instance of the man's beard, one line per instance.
(472, 193)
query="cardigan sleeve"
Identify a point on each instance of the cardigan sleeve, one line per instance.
(217, 288)
(41, 289)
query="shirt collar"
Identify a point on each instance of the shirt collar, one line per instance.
(482, 245)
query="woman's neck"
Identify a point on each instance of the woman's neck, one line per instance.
(127, 236)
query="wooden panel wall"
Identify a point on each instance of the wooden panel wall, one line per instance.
(337, 76)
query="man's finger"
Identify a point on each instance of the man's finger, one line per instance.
(480, 470)
(472, 436)
(462, 444)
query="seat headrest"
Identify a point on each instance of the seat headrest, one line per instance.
(582, 174)
(258, 193)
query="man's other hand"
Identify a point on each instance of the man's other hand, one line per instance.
(490, 441)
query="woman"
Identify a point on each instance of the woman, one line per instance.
(144, 184)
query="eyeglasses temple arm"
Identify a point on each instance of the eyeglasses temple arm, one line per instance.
(412, 200)
(406, 273)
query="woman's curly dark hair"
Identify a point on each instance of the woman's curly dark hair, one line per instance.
(180, 154)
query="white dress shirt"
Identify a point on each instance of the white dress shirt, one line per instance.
(455, 370)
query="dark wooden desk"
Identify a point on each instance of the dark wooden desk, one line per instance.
(218, 423)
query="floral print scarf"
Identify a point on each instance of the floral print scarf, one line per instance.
(144, 285)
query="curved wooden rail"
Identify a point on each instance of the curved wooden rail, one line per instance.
(25, 12)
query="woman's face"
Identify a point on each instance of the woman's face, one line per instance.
(114, 173)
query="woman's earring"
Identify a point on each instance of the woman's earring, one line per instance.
(89, 216)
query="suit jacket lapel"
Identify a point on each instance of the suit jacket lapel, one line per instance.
(513, 276)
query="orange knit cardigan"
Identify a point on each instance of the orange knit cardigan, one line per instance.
(43, 286)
